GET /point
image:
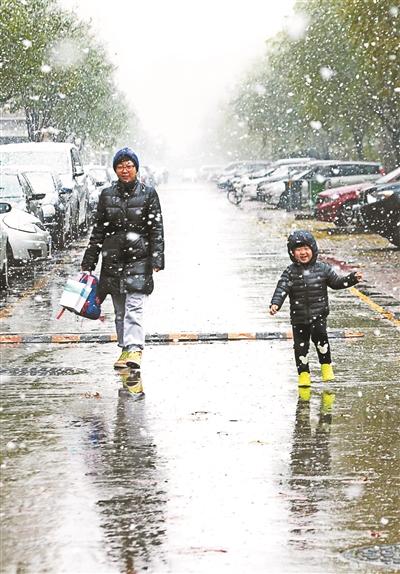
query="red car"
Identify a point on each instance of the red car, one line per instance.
(336, 204)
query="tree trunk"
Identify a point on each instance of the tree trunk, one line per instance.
(358, 136)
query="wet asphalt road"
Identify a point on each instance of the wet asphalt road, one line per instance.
(222, 467)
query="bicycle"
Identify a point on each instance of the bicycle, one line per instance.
(234, 195)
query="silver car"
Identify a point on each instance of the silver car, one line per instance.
(27, 238)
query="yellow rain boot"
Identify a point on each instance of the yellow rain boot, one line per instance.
(327, 372)
(134, 359)
(132, 382)
(327, 401)
(120, 363)
(304, 393)
(304, 379)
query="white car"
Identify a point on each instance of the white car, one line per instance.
(61, 158)
(277, 175)
(27, 238)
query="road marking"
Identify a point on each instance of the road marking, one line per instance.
(387, 314)
(182, 337)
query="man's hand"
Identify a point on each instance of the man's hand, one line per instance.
(273, 309)
(156, 269)
(359, 276)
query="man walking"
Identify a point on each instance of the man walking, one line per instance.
(128, 231)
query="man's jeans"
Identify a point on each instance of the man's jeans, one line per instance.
(128, 309)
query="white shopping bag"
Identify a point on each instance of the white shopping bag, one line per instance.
(74, 295)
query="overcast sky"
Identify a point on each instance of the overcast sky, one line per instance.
(184, 53)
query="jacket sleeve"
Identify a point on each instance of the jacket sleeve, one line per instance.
(156, 232)
(281, 290)
(91, 255)
(335, 281)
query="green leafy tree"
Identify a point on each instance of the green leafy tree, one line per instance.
(331, 91)
(374, 30)
(54, 70)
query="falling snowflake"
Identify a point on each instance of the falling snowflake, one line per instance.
(45, 68)
(315, 124)
(326, 72)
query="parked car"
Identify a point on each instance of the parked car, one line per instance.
(336, 205)
(27, 238)
(40, 192)
(15, 189)
(3, 254)
(61, 158)
(230, 176)
(101, 175)
(57, 206)
(327, 173)
(378, 210)
(94, 193)
(278, 171)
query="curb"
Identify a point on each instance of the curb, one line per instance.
(154, 338)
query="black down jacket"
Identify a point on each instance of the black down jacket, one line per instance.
(307, 284)
(128, 230)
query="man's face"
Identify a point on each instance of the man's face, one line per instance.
(303, 254)
(126, 171)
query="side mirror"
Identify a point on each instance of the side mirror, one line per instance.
(36, 196)
(65, 190)
(5, 207)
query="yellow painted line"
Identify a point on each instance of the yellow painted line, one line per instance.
(239, 336)
(37, 286)
(387, 314)
(183, 336)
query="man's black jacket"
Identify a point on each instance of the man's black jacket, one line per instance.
(128, 231)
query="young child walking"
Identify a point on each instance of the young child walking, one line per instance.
(306, 281)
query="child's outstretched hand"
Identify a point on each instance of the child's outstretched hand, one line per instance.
(359, 276)
(273, 309)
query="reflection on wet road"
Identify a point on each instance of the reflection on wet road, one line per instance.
(222, 467)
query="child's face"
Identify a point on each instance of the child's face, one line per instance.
(303, 254)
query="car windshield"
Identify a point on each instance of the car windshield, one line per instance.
(285, 170)
(56, 160)
(10, 188)
(42, 183)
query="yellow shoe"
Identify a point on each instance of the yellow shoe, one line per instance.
(133, 359)
(304, 379)
(327, 372)
(120, 363)
(133, 384)
(304, 393)
(327, 401)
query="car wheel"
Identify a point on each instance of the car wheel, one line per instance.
(345, 216)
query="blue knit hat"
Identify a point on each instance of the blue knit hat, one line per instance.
(125, 153)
